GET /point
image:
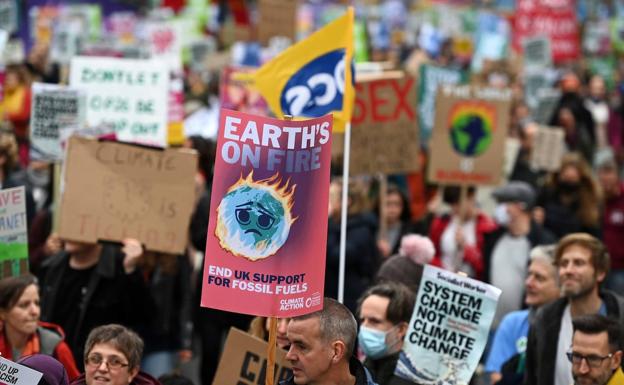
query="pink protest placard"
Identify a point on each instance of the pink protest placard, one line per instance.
(267, 233)
(554, 19)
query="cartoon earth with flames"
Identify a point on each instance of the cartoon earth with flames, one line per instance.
(254, 217)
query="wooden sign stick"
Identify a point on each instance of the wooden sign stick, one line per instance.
(270, 372)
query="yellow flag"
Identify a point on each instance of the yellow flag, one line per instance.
(313, 77)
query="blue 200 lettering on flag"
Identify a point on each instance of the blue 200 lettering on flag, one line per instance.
(317, 88)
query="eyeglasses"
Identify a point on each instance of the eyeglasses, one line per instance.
(112, 362)
(592, 360)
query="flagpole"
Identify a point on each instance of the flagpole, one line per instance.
(343, 211)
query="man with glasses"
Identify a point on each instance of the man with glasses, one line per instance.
(596, 353)
(112, 357)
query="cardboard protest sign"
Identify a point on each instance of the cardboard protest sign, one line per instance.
(54, 107)
(468, 140)
(448, 330)
(429, 80)
(13, 232)
(385, 129)
(548, 148)
(131, 95)
(265, 252)
(277, 18)
(117, 190)
(555, 20)
(537, 52)
(244, 361)
(12, 373)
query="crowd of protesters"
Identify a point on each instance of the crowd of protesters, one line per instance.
(120, 314)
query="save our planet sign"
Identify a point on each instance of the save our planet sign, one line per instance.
(468, 140)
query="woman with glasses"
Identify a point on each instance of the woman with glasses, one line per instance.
(112, 357)
(22, 333)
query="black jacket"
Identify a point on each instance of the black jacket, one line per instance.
(112, 296)
(362, 376)
(361, 257)
(171, 328)
(544, 337)
(537, 235)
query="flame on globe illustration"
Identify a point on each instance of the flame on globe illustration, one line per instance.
(254, 217)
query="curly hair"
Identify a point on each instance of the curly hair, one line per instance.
(589, 193)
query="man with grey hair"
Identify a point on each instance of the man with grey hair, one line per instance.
(322, 346)
(541, 287)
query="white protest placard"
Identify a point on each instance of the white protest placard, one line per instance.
(537, 52)
(8, 15)
(12, 373)
(54, 108)
(130, 95)
(548, 148)
(165, 41)
(448, 330)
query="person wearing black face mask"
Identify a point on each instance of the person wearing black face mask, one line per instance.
(570, 200)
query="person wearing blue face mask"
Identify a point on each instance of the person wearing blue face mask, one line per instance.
(384, 312)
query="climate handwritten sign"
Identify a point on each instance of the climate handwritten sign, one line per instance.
(117, 190)
(448, 329)
(54, 107)
(127, 94)
(267, 231)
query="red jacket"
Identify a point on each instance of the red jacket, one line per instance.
(48, 339)
(473, 254)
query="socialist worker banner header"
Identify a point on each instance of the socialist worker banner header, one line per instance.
(267, 232)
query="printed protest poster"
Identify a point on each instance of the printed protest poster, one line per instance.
(468, 140)
(267, 232)
(54, 107)
(238, 95)
(8, 15)
(429, 80)
(548, 148)
(547, 101)
(555, 20)
(537, 53)
(448, 330)
(617, 34)
(277, 18)
(129, 94)
(118, 190)
(12, 373)
(385, 137)
(165, 42)
(597, 37)
(244, 361)
(13, 232)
